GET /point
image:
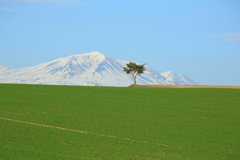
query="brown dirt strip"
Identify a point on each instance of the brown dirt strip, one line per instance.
(43, 125)
(183, 86)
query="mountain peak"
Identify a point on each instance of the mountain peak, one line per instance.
(93, 54)
(168, 73)
(86, 57)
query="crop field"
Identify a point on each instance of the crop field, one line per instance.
(80, 122)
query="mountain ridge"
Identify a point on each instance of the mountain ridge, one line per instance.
(92, 68)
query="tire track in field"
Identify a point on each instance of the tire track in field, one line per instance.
(43, 125)
(10, 112)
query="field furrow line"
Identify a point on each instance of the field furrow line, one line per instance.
(97, 134)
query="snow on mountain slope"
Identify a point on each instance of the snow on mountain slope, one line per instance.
(177, 79)
(86, 69)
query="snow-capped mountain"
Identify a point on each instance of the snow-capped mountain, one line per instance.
(93, 69)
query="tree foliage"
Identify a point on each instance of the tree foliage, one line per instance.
(134, 69)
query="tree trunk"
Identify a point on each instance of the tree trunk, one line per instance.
(135, 78)
(135, 81)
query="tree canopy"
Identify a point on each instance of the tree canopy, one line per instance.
(134, 69)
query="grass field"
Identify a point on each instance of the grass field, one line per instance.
(77, 122)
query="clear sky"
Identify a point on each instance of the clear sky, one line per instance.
(196, 38)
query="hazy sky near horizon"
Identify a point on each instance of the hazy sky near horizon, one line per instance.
(199, 39)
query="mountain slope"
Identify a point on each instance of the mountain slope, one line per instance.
(177, 79)
(87, 69)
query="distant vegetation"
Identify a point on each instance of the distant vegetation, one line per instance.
(77, 122)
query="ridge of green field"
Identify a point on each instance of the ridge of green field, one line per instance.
(118, 122)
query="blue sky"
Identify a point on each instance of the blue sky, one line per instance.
(200, 38)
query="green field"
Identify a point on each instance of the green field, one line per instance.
(78, 122)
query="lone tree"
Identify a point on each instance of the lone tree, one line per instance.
(134, 69)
